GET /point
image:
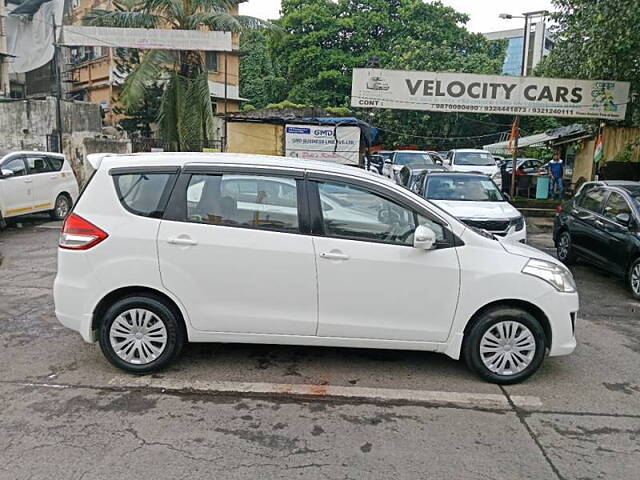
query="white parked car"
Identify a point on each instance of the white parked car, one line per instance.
(472, 160)
(173, 247)
(477, 201)
(33, 182)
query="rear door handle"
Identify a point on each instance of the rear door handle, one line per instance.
(28, 180)
(599, 223)
(182, 240)
(334, 256)
(54, 176)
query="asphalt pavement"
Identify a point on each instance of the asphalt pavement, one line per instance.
(260, 411)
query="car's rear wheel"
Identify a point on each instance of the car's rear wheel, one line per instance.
(505, 345)
(140, 334)
(634, 279)
(564, 249)
(61, 207)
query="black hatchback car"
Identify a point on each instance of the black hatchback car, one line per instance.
(602, 225)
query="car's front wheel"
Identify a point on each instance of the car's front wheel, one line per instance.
(141, 334)
(634, 279)
(564, 249)
(505, 345)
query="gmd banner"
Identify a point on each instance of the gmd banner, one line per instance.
(464, 92)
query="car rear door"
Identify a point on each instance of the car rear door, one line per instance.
(587, 227)
(364, 245)
(234, 248)
(42, 183)
(16, 190)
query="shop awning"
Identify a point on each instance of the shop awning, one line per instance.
(565, 134)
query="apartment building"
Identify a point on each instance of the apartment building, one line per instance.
(93, 76)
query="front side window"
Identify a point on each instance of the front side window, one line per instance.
(355, 213)
(592, 200)
(16, 165)
(256, 201)
(462, 188)
(142, 193)
(480, 159)
(37, 165)
(616, 205)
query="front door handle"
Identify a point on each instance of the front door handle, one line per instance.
(28, 180)
(182, 240)
(599, 224)
(334, 256)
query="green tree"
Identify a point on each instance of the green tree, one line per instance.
(261, 81)
(320, 41)
(598, 40)
(185, 114)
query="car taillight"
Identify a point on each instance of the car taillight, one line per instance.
(80, 234)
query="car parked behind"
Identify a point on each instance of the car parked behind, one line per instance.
(477, 201)
(167, 248)
(33, 182)
(601, 225)
(401, 158)
(472, 160)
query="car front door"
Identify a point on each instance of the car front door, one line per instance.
(233, 250)
(16, 189)
(618, 237)
(43, 181)
(372, 282)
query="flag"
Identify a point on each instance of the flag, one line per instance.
(598, 152)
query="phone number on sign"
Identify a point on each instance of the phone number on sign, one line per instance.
(500, 108)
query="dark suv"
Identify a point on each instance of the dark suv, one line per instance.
(602, 225)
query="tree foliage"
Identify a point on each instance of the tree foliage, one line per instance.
(598, 40)
(319, 42)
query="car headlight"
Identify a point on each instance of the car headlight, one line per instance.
(517, 222)
(557, 276)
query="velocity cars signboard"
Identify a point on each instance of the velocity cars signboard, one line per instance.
(462, 92)
(325, 143)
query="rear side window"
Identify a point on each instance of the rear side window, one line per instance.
(55, 163)
(592, 200)
(37, 164)
(144, 194)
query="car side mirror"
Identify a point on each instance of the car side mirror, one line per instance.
(5, 173)
(424, 238)
(387, 161)
(623, 219)
(438, 161)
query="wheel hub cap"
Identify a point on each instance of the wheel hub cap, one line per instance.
(138, 336)
(507, 348)
(635, 279)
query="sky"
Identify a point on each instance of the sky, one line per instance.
(483, 13)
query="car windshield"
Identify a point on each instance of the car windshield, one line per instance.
(481, 159)
(413, 158)
(468, 188)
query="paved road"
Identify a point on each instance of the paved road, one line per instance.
(66, 413)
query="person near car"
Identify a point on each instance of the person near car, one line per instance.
(556, 168)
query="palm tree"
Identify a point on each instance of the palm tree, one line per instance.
(185, 115)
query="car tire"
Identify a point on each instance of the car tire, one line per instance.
(564, 249)
(505, 345)
(633, 279)
(61, 208)
(141, 334)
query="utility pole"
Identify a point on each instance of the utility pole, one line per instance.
(58, 83)
(523, 72)
(226, 70)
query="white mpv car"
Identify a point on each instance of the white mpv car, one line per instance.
(33, 182)
(173, 247)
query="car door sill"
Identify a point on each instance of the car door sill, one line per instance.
(198, 336)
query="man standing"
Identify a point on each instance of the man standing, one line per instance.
(556, 167)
